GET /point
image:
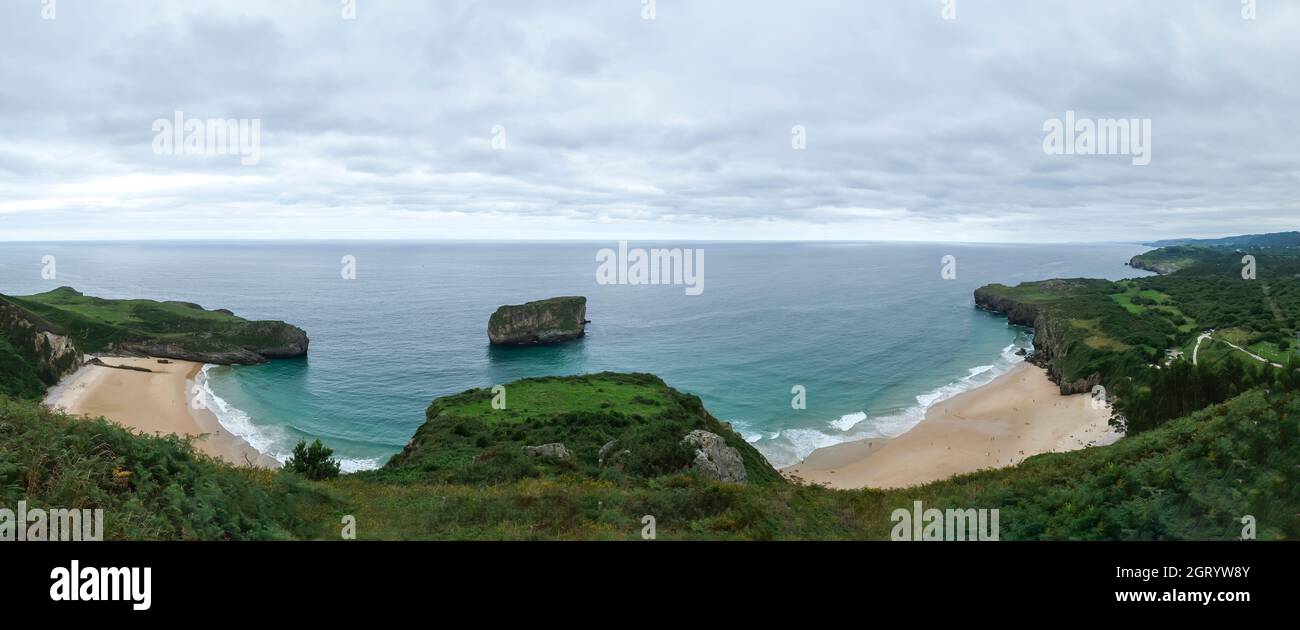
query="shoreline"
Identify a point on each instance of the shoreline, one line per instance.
(156, 402)
(996, 425)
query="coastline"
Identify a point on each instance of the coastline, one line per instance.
(999, 424)
(153, 402)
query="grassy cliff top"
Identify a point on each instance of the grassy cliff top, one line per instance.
(643, 420)
(101, 325)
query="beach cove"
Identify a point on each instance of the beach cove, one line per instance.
(153, 402)
(1017, 415)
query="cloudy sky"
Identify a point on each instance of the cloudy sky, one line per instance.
(609, 125)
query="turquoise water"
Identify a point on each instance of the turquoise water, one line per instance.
(871, 331)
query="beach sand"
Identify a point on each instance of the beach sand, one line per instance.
(1019, 414)
(155, 402)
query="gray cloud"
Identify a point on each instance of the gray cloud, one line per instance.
(918, 127)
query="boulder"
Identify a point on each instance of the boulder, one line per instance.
(714, 459)
(554, 450)
(545, 321)
(605, 451)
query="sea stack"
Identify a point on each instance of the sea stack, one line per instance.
(544, 321)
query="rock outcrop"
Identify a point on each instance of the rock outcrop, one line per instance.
(1162, 268)
(545, 321)
(714, 459)
(555, 451)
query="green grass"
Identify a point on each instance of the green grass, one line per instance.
(1266, 349)
(464, 439)
(536, 398)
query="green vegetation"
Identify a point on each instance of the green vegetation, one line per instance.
(313, 462)
(149, 487)
(1133, 345)
(1169, 259)
(466, 439)
(174, 329)
(1091, 326)
(18, 375)
(1190, 478)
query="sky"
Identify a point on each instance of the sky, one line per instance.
(584, 119)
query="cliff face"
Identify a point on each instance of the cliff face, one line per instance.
(34, 351)
(1138, 262)
(545, 321)
(1018, 313)
(1050, 343)
(250, 343)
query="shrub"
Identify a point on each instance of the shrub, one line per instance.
(313, 462)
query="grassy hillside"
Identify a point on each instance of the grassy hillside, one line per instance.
(150, 488)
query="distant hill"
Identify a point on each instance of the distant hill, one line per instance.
(1275, 239)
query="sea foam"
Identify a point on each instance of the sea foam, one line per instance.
(271, 441)
(791, 446)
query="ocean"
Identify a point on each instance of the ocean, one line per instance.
(872, 333)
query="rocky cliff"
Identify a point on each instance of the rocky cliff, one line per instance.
(249, 343)
(545, 321)
(1051, 344)
(1162, 268)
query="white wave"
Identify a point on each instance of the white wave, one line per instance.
(351, 465)
(235, 420)
(849, 420)
(791, 446)
(271, 441)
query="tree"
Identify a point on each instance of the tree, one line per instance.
(313, 462)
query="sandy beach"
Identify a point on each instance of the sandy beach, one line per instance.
(1019, 414)
(156, 402)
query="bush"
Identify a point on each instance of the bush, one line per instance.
(313, 462)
